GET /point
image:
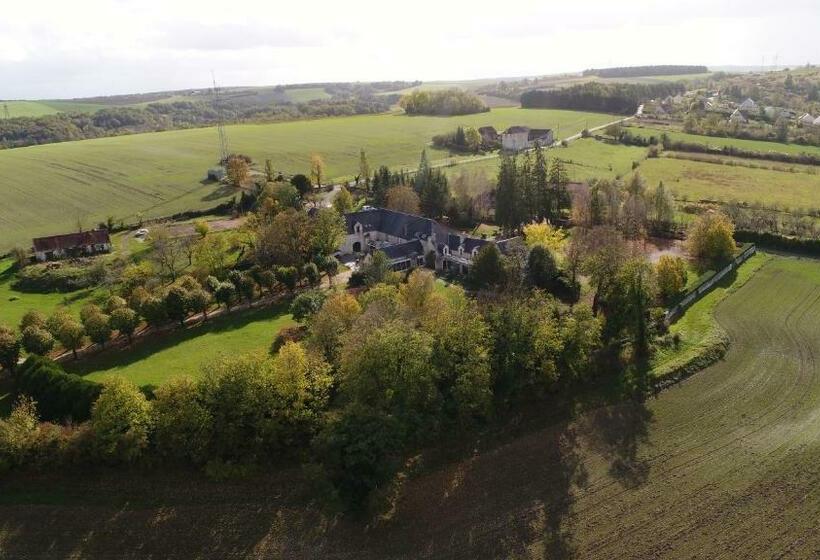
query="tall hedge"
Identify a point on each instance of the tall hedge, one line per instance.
(59, 395)
(768, 240)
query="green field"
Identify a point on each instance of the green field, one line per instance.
(303, 95)
(45, 189)
(723, 465)
(696, 180)
(14, 304)
(586, 158)
(717, 142)
(183, 352)
(41, 108)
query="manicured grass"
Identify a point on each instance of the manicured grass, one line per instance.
(754, 145)
(183, 352)
(696, 180)
(45, 189)
(14, 304)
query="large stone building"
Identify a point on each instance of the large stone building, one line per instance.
(407, 239)
(81, 244)
(517, 138)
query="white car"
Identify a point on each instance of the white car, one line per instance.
(141, 232)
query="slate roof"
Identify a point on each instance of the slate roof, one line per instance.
(517, 129)
(397, 224)
(71, 240)
(538, 133)
(403, 250)
(488, 132)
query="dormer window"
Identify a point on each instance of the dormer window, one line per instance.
(357, 228)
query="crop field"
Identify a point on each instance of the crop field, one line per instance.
(40, 108)
(182, 352)
(46, 189)
(754, 145)
(722, 465)
(697, 180)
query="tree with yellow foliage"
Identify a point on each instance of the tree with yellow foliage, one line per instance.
(544, 234)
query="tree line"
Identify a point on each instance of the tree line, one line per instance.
(114, 121)
(606, 98)
(442, 102)
(637, 71)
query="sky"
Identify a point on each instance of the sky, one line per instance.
(66, 49)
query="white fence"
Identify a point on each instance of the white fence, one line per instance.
(674, 312)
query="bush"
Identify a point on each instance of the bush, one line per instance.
(121, 421)
(46, 278)
(182, 423)
(59, 395)
(359, 453)
(37, 340)
(306, 304)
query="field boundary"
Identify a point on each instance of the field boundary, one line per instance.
(707, 284)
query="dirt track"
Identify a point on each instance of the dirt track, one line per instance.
(725, 465)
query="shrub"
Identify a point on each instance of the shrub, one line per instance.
(37, 340)
(59, 395)
(45, 278)
(359, 453)
(671, 273)
(306, 304)
(710, 238)
(9, 348)
(120, 421)
(182, 423)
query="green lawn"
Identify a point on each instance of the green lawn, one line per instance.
(697, 327)
(755, 145)
(45, 189)
(183, 352)
(14, 304)
(586, 158)
(697, 180)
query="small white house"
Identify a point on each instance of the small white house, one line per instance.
(806, 119)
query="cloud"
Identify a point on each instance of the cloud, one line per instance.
(49, 48)
(232, 36)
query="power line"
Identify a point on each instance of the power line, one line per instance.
(220, 123)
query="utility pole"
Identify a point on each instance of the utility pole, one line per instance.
(6, 110)
(220, 123)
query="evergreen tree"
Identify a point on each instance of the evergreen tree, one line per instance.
(435, 194)
(422, 174)
(526, 188)
(507, 197)
(540, 184)
(364, 169)
(558, 179)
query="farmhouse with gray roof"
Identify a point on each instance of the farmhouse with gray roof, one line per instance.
(517, 138)
(406, 239)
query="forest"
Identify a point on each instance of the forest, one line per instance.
(636, 71)
(606, 98)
